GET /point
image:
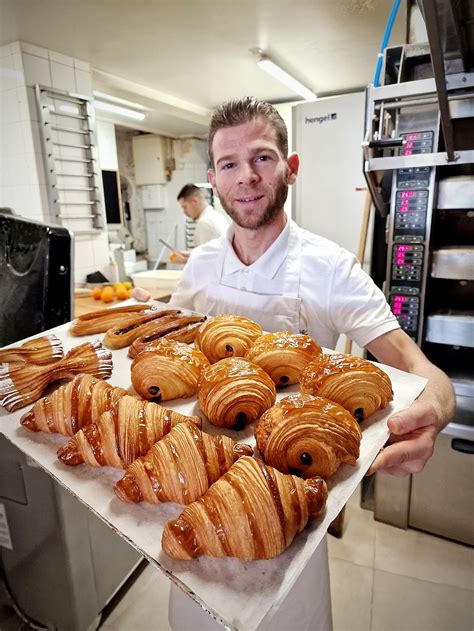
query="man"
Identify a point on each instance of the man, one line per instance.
(210, 224)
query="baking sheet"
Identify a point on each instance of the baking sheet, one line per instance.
(237, 594)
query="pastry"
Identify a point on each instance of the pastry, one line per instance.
(182, 329)
(234, 392)
(169, 370)
(101, 321)
(180, 467)
(283, 355)
(40, 350)
(121, 336)
(252, 512)
(308, 436)
(355, 383)
(122, 434)
(226, 336)
(21, 384)
(73, 405)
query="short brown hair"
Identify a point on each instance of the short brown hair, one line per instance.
(190, 190)
(245, 110)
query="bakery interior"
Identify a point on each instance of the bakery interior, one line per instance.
(104, 111)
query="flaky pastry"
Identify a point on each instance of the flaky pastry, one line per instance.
(226, 336)
(40, 350)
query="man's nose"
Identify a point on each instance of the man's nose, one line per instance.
(247, 173)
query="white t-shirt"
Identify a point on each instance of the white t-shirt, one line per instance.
(337, 296)
(210, 225)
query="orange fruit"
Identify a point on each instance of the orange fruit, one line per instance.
(121, 293)
(172, 256)
(107, 294)
(127, 284)
(96, 292)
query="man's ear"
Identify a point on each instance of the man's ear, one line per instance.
(211, 176)
(293, 167)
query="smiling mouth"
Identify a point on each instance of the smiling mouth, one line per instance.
(253, 198)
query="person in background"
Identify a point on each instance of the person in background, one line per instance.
(210, 224)
(285, 278)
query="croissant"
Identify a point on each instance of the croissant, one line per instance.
(169, 370)
(252, 512)
(234, 392)
(182, 329)
(180, 467)
(101, 321)
(121, 434)
(40, 350)
(353, 382)
(308, 436)
(21, 384)
(283, 355)
(226, 336)
(73, 405)
(121, 336)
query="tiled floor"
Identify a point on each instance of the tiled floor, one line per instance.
(382, 579)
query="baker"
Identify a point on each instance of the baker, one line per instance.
(285, 278)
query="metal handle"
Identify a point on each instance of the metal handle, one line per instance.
(386, 143)
(463, 445)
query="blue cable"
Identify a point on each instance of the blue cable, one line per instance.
(386, 37)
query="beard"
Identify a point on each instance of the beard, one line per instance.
(264, 217)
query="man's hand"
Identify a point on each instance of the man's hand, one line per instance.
(411, 443)
(179, 257)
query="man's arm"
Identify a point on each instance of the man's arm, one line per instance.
(413, 431)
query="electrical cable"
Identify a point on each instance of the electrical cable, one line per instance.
(386, 37)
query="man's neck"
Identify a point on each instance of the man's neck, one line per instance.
(249, 245)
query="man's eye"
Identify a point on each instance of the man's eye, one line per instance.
(227, 166)
(262, 158)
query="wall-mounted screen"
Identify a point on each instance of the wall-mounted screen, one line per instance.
(112, 197)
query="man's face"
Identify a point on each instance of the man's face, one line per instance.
(250, 174)
(189, 206)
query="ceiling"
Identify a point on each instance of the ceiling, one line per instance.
(181, 58)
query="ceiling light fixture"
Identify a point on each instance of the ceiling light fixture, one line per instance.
(115, 105)
(278, 73)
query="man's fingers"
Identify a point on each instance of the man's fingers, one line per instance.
(410, 455)
(420, 414)
(401, 472)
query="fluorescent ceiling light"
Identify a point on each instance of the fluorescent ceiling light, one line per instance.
(275, 71)
(117, 109)
(114, 99)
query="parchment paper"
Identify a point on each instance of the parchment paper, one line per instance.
(237, 594)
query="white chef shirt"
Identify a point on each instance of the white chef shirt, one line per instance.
(337, 295)
(209, 225)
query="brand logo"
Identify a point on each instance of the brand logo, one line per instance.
(320, 119)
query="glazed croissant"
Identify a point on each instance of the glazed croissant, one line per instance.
(40, 350)
(234, 392)
(182, 328)
(355, 383)
(21, 384)
(120, 336)
(169, 370)
(73, 405)
(121, 434)
(308, 436)
(226, 336)
(101, 321)
(252, 512)
(180, 467)
(283, 355)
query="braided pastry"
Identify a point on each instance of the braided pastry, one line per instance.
(40, 350)
(122, 434)
(101, 321)
(169, 370)
(226, 336)
(234, 392)
(283, 355)
(180, 467)
(182, 328)
(308, 436)
(355, 383)
(252, 512)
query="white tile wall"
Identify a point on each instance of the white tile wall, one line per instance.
(63, 77)
(37, 70)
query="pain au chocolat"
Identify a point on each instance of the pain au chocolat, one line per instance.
(252, 512)
(226, 336)
(355, 383)
(283, 355)
(169, 370)
(234, 392)
(308, 436)
(180, 467)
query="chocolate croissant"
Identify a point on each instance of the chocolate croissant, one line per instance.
(101, 321)
(21, 384)
(182, 328)
(308, 436)
(234, 392)
(122, 434)
(226, 336)
(120, 336)
(355, 383)
(40, 350)
(169, 370)
(283, 355)
(180, 467)
(73, 405)
(252, 512)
